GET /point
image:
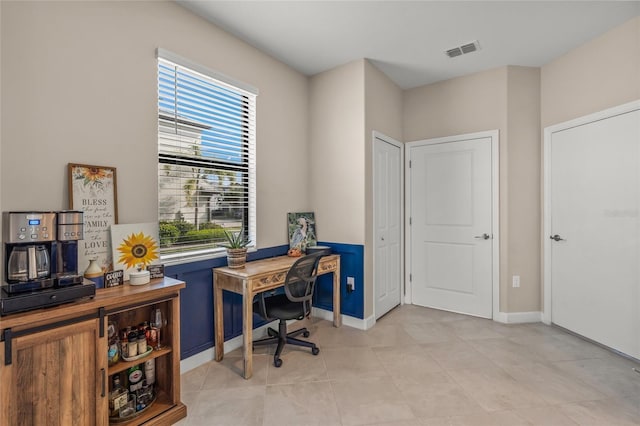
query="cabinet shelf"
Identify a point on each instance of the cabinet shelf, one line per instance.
(161, 405)
(123, 365)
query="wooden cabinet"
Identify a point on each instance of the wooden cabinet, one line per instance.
(55, 377)
(53, 362)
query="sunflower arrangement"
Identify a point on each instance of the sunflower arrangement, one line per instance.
(138, 249)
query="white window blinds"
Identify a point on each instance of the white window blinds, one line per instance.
(206, 158)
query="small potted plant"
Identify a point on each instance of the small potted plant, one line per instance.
(236, 248)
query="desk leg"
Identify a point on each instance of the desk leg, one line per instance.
(247, 329)
(218, 324)
(337, 317)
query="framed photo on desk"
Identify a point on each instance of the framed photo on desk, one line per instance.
(301, 228)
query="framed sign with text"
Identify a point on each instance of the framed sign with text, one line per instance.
(92, 189)
(114, 278)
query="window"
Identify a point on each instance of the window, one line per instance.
(206, 157)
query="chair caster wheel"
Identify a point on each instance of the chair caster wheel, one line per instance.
(315, 351)
(305, 334)
(277, 363)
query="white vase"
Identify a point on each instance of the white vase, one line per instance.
(94, 273)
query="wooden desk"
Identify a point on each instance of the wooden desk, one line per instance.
(256, 277)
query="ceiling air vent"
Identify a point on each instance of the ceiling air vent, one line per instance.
(461, 50)
(452, 53)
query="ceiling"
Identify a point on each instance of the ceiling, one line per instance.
(407, 39)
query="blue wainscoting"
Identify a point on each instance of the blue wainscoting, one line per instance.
(196, 299)
(351, 265)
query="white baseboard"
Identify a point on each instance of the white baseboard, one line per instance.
(360, 324)
(518, 317)
(197, 360)
(546, 317)
(207, 355)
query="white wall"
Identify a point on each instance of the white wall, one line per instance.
(507, 99)
(523, 188)
(460, 105)
(519, 102)
(468, 104)
(346, 104)
(383, 113)
(383, 105)
(336, 141)
(600, 74)
(79, 85)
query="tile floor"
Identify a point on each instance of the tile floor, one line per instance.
(419, 366)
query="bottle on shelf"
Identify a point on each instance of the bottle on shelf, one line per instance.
(135, 376)
(142, 342)
(158, 322)
(150, 371)
(132, 345)
(117, 397)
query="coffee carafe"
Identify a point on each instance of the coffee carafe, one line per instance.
(28, 263)
(28, 242)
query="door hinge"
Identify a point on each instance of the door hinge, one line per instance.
(410, 277)
(409, 220)
(409, 163)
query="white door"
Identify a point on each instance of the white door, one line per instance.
(594, 230)
(387, 200)
(452, 225)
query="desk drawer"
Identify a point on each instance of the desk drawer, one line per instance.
(267, 282)
(324, 267)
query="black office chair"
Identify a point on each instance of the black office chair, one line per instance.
(294, 304)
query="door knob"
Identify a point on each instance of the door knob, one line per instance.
(557, 238)
(483, 236)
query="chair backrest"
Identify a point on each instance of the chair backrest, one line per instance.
(301, 279)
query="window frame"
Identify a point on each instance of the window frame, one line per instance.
(246, 168)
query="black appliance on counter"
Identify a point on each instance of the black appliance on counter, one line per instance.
(41, 260)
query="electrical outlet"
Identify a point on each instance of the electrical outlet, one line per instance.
(516, 281)
(351, 284)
